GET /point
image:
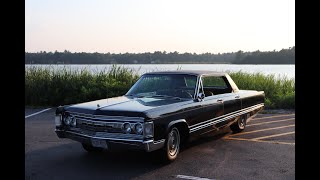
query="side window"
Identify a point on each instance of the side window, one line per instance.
(190, 81)
(214, 85)
(214, 81)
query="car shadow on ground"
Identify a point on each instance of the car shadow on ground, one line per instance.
(206, 138)
(71, 161)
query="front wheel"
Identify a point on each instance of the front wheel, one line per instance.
(172, 145)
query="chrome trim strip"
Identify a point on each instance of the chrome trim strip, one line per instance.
(154, 145)
(148, 145)
(159, 141)
(246, 110)
(100, 107)
(224, 119)
(124, 143)
(148, 141)
(106, 134)
(225, 115)
(103, 138)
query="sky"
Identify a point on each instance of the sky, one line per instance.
(137, 26)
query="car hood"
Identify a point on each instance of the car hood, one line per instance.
(123, 106)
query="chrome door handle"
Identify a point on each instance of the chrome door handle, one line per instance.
(237, 97)
(219, 100)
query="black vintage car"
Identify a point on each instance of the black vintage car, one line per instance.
(159, 112)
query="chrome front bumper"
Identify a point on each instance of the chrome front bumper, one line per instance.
(113, 143)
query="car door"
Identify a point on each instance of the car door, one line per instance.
(231, 101)
(232, 104)
(218, 91)
(209, 108)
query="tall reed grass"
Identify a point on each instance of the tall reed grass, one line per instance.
(46, 86)
(49, 87)
(279, 91)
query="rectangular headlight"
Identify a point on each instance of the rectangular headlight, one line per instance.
(57, 120)
(148, 129)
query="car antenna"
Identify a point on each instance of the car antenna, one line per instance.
(98, 105)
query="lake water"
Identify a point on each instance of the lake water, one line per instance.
(278, 70)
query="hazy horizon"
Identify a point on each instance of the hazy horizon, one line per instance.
(152, 52)
(139, 26)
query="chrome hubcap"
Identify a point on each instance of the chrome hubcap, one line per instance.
(242, 122)
(173, 143)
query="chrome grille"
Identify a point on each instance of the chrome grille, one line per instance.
(106, 118)
(99, 126)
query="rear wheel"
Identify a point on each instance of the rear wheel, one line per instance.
(240, 125)
(90, 148)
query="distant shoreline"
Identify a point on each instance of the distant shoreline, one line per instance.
(151, 63)
(284, 56)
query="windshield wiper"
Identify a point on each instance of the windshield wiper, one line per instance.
(165, 96)
(136, 96)
(151, 96)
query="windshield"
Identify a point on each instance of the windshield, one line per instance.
(164, 85)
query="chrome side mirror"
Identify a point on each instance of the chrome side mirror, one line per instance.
(200, 96)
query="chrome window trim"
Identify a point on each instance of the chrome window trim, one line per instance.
(196, 88)
(199, 85)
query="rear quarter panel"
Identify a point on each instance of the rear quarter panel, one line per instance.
(251, 98)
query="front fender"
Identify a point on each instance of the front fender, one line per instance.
(61, 109)
(175, 122)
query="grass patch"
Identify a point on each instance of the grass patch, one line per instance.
(50, 87)
(280, 92)
(46, 86)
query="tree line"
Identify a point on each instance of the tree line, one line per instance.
(284, 56)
